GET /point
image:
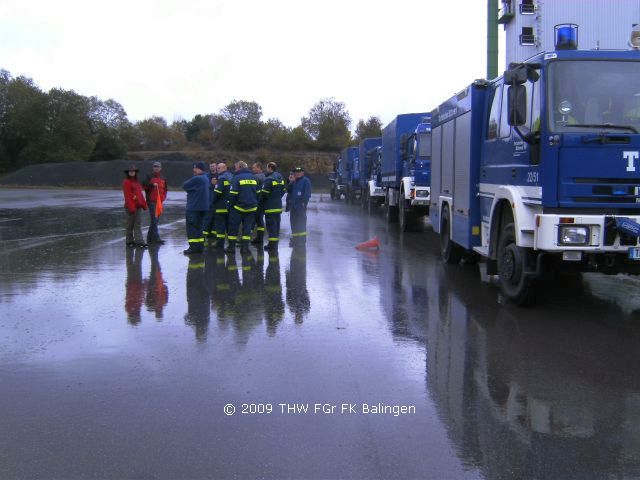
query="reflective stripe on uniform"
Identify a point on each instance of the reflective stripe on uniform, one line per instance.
(245, 210)
(217, 191)
(301, 234)
(222, 210)
(232, 237)
(196, 240)
(266, 191)
(226, 183)
(248, 182)
(233, 193)
(260, 229)
(273, 210)
(221, 235)
(194, 266)
(246, 237)
(273, 239)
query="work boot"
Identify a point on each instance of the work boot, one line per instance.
(271, 246)
(244, 248)
(231, 247)
(259, 239)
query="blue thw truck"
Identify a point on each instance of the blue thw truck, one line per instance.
(538, 172)
(404, 171)
(369, 152)
(338, 178)
(350, 159)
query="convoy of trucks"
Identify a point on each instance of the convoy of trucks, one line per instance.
(533, 173)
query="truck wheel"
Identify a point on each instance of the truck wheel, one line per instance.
(449, 251)
(406, 217)
(391, 212)
(515, 284)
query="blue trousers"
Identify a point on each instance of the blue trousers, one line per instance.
(235, 219)
(299, 225)
(272, 222)
(152, 234)
(208, 225)
(222, 225)
(194, 228)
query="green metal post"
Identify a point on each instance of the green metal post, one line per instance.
(492, 39)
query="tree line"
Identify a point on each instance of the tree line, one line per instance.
(62, 126)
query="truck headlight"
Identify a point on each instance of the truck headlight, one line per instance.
(573, 235)
(422, 193)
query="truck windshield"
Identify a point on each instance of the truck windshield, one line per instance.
(424, 145)
(594, 95)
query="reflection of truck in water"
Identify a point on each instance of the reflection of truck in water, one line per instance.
(519, 405)
(537, 171)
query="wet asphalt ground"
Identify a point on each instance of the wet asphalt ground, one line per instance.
(124, 363)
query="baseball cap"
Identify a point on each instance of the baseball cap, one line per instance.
(157, 164)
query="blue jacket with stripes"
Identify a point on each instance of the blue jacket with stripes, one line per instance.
(244, 191)
(271, 194)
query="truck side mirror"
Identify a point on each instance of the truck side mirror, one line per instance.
(517, 105)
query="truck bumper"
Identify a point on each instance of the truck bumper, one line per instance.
(420, 196)
(590, 242)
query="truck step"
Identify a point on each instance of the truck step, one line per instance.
(484, 251)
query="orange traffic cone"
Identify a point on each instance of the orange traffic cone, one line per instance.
(373, 243)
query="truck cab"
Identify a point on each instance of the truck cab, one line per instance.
(538, 170)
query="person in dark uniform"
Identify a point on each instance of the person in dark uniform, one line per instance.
(300, 196)
(197, 188)
(243, 203)
(221, 203)
(208, 225)
(271, 203)
(256, 169)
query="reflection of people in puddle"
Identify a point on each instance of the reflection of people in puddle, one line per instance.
(134, 286)
(296, 283)
(226, 286)
(157, 290)
(248, 301)
(197, 298)
(273, 303)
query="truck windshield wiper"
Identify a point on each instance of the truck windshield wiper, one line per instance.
(603, 125)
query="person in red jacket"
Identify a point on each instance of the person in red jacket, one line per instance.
(133, 202)
(155, 187)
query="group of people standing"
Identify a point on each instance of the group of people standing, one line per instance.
(225, 207)
(222, 207)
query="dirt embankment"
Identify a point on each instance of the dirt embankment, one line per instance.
(176, 167)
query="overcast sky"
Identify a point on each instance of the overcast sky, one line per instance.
(177, 58)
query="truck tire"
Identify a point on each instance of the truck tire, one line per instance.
(449, 251)
(406, 218)
(515, 284)
(391, 213)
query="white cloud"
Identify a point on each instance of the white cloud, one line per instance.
(178, 58)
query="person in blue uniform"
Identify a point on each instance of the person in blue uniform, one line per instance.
(197, 188)
(271, 204)
(221, 203)
(256, 168)
(243, 203)
(208, 225)
(300, 196)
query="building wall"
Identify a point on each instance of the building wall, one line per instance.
(601, 24)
